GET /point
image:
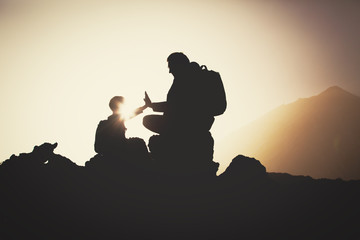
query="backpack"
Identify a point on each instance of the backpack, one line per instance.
(214, 94)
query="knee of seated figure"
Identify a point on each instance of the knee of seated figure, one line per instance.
(154, 123)
(146, 121)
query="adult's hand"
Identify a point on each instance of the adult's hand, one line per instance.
(147, 100)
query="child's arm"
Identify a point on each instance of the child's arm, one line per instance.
(141, 109)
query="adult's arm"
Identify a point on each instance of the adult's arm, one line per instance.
(159, 106)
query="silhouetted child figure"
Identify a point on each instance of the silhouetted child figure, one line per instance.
(110, 134)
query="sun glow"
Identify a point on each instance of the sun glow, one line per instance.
(124, 111)
(127, 111)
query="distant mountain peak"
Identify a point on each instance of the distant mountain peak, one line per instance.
(335, 91)
(335, 88)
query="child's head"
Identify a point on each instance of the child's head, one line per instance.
(115, 104)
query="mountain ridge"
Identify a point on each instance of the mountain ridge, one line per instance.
(317, 136)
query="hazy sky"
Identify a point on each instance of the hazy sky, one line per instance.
(62, 61)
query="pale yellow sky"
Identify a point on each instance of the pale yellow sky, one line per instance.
(62, 61)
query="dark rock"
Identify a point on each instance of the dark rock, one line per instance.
(134, 155)
(244, 168)
(41, 156)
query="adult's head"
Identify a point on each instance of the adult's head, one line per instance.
(115, 104)
(178, 63)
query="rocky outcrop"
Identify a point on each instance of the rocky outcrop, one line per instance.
(133, 153)
(42, 156)
(244, 168)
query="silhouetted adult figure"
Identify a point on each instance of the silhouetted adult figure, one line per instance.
(184, 109)
(110, 134)
(184, 146)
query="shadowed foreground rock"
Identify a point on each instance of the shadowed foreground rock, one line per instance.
(244, 169)
(47, 196)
